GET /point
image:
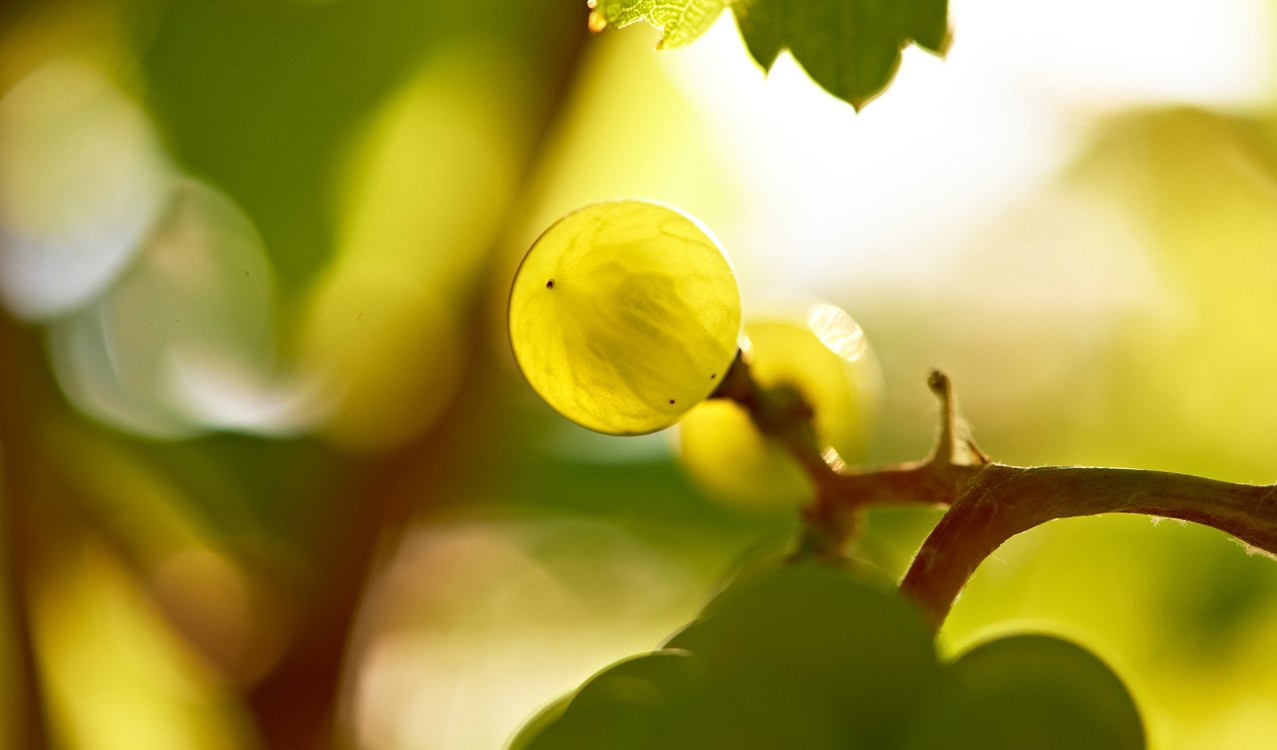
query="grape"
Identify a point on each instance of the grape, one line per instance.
(815, 656)
(1033, 691)
(753, 710)
(857, 650)
(541, 722)
(624, 706)
(824, 356)
(624, 315)
(669, 700)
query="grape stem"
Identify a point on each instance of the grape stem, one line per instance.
(988, 502)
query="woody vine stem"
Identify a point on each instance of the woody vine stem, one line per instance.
(988, 502)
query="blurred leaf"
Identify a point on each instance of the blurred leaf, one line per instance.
(260, 97)
(381, 333)
(196, 574)
(850, 47)
(1201, 188)
(680, 22)
(432, 173)
(116, 676)
(385, 354)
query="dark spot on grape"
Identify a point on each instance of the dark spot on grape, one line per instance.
(713, 375)
(671, 402)
(549, 284)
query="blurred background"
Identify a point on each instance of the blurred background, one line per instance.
(270, 475)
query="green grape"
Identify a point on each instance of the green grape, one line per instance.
(807, 656)
(753, 710)
(823, 355)
(626, 706)
(859, 652)
(1030, 691)
(624, 315)
(540, 722)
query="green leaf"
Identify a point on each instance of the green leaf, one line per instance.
(680, 21)
(849, 47)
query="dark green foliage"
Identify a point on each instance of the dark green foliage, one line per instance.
(850, 47)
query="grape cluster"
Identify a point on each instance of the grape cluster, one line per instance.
(813, 657)
(623, 317)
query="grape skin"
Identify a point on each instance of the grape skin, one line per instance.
(819, 352)
(814, 657)
(623, 315)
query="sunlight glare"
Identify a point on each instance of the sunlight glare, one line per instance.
(890, 198)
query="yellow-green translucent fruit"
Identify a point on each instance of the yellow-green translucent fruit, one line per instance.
(824, 355)
(624, 315)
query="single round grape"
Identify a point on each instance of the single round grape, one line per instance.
(541, 722)
(1029, 690)
(849, 644)
(823, 354)
(624, 315)
(623, 707)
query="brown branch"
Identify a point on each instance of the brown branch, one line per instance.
(24, 540)
(988, 502)
(296, 704)
(1002, 501)
(832, 520)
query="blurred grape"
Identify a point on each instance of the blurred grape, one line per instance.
(856, 651)
(184, 341)
(825, 356)
(82, 182)
(626, 706)
(1030, 691)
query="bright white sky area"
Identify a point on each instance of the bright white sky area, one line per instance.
(893, 191)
